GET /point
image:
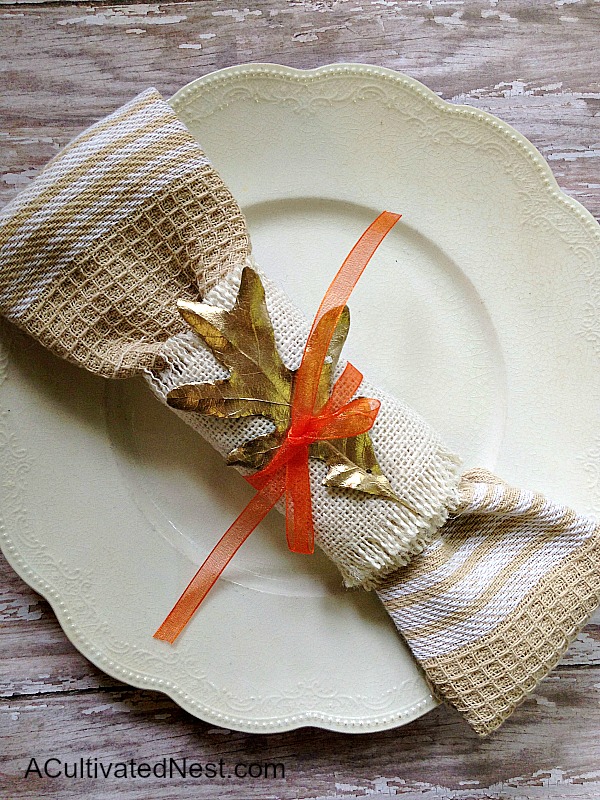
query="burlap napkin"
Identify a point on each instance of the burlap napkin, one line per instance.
(131, 217)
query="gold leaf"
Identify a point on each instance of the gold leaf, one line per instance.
(259, 384)
(256, 453)
(242, 340)
(353, 465)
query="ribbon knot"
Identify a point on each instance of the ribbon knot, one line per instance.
(287, 473)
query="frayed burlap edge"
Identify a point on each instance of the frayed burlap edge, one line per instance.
(396, 545)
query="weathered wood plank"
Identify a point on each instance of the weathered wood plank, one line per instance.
(550, 745)
(56, 704)
(523, 64)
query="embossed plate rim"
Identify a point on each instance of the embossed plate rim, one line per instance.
(307, 76)
(186, 701)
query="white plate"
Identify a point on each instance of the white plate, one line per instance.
(481, 310)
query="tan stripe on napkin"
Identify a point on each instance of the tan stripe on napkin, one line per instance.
(490, 608)
(124, 221)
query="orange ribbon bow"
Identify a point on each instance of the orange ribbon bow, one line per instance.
(287, 473)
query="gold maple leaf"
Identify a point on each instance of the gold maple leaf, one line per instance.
(260, 384)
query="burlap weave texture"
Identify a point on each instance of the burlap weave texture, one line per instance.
(366, 537)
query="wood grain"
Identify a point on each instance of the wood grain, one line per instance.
(535, 65)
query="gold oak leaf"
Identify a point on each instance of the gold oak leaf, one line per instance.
(260, 384)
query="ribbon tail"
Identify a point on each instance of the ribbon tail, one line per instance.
(298, 518)
(221, 554)
(343, 389)
(330, 310)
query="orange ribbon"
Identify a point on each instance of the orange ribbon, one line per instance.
(287, 472)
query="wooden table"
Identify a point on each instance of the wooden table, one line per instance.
(64, 65)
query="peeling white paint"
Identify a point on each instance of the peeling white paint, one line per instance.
(20, 608)
(8, 137)
(500, 15)
(573, 155)
(589, 776)
(321, 6)
(584, 650)
(125, 15)
(239, 15)
(34, 687)
(543, 701)
(306, 37)
(347, 787)
(534, 787)
(135, 30)
(197, 45)
(453, 19)
(517, 88)
(98, 709)
(313, 34)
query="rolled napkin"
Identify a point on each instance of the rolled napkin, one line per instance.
(129, 219)
(366, 536)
